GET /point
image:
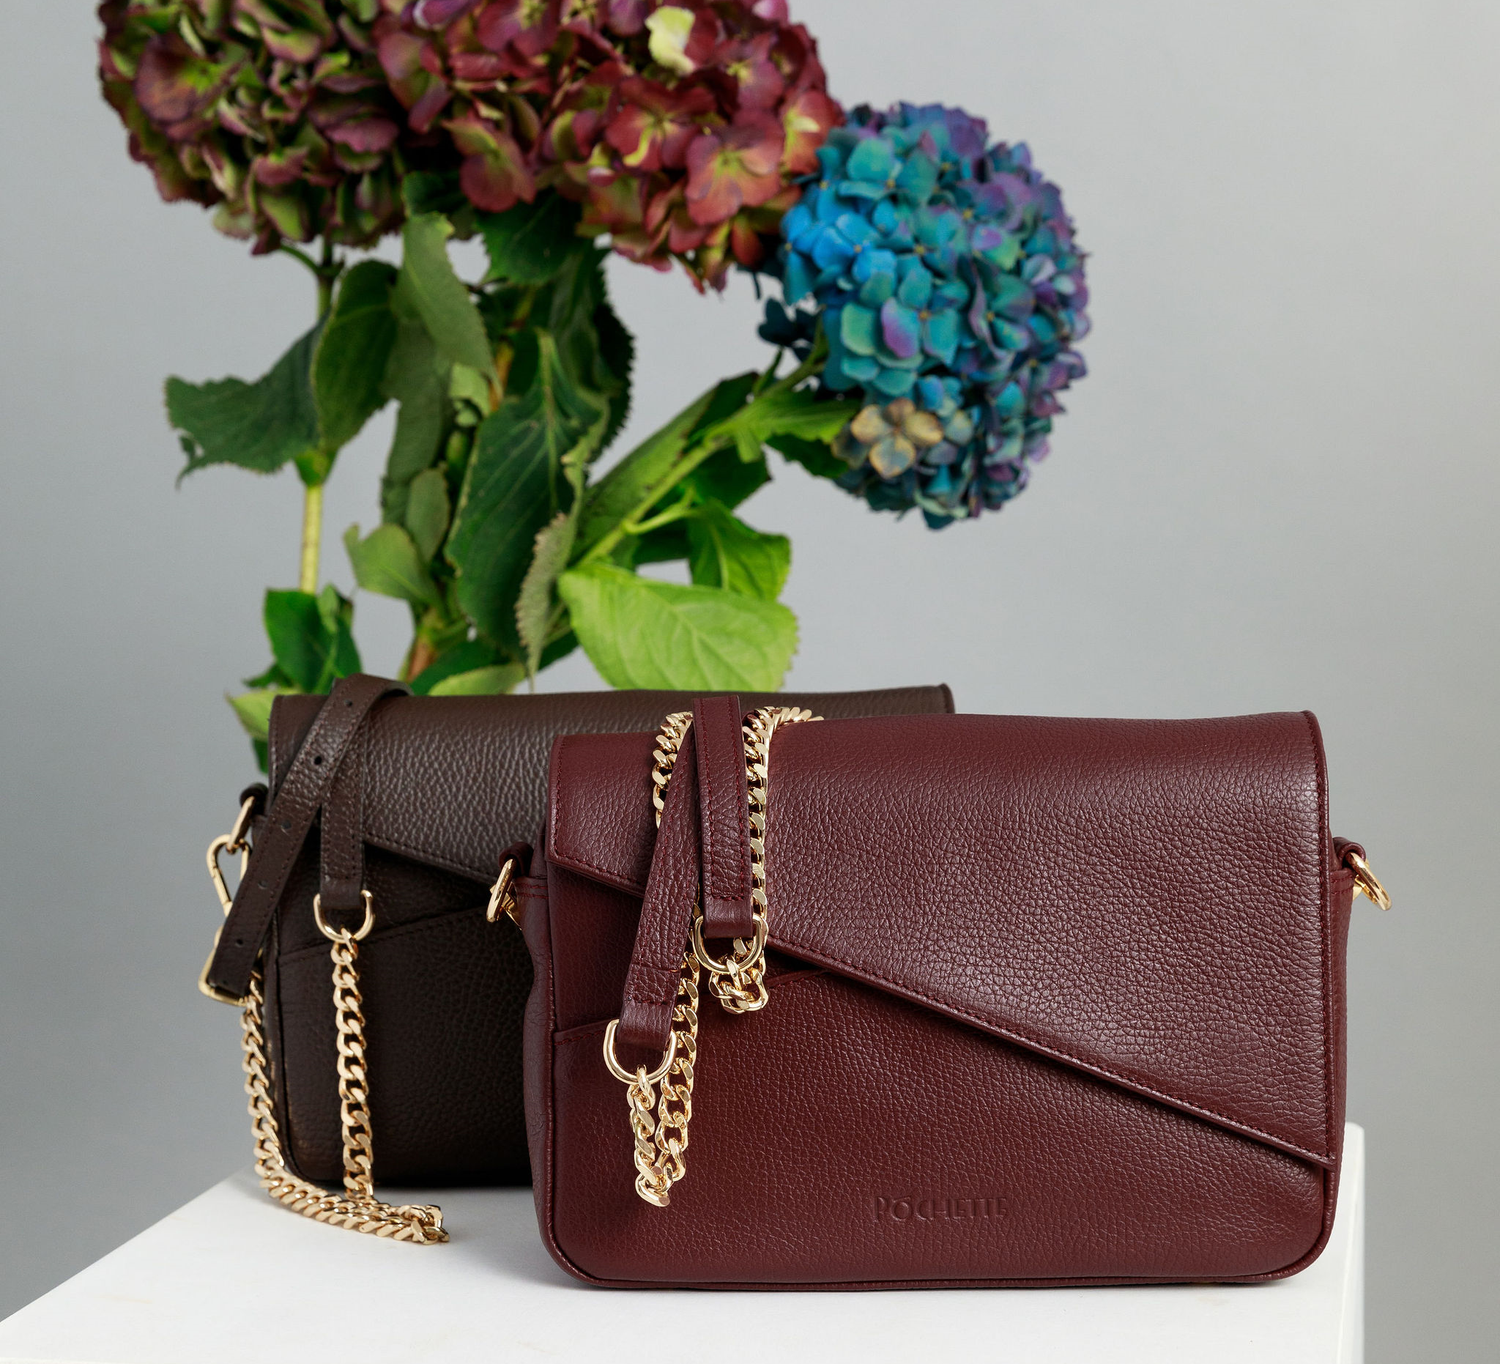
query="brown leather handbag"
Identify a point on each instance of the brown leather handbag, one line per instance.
(386, 821)
(991, 1001)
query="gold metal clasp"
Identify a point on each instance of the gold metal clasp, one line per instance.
(1366, 883)
(232, 842)
(235, 841)
(503, 894)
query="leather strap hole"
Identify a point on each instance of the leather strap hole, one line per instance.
(317, 760)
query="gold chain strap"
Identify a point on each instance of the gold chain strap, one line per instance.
(737, 981)
(660, 1123)
(357, 1208)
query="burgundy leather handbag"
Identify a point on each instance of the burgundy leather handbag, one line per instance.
(377, 844)
(990, 1001)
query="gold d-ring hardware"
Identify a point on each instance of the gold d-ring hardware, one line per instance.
(629, 1077)
(340, 934)
(742, 992)
(503, 894)
(1366, 883)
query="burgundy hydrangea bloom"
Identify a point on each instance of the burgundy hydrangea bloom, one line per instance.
(680, 127)
(277, 111)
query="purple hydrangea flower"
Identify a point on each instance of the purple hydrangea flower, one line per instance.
(945, 277)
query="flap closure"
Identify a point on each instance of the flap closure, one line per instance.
(1146, 901)
(451, 781)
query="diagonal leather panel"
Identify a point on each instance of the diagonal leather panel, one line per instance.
(1146, 901)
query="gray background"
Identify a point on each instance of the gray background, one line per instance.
(1277, 489)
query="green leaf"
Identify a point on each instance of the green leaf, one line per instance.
(812, 455)
(427, 511)
(623, 488)
(534, 608)
(560, 647)
(461, 658)
(349, 365)
(530, 243)
(596, 350)
(726, 398)
(337, 613)
(617, 355)
(254, 710)
(494, 681)
(469, 385)
(514, 485)
(258, 426)
(791, 412)
(725, 552)
(273, 677)
(310, 636)
(726, 478)
(428, 281)
(643, 633)
(660, 546)
(386, 561)
(417, 377)
(439, 192)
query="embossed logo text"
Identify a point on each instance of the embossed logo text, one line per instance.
(914, 1210)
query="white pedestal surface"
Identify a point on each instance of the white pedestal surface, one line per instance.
(232, 1278)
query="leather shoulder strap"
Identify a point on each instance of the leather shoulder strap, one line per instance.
(308, 782)
(666, 917)
(725, 809)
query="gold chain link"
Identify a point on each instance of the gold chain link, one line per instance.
(737, 981)
(403, 1222)
(668, 744)
(357, 1208)
(354, 1088)
(660, 1123)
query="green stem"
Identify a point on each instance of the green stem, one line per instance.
(296, 253)
(312, 535)
(718, 437)
(768, 374)
(673, 513)
(326, 271)
(690, 460)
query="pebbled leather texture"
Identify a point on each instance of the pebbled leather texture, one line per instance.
(445, 785)
(677, 870)
(1054, 1001)
(724, 808)
(342, 875)
(334, 726)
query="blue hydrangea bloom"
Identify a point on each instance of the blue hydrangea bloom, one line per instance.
(945, 276)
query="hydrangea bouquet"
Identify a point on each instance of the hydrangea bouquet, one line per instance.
(931, 296)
